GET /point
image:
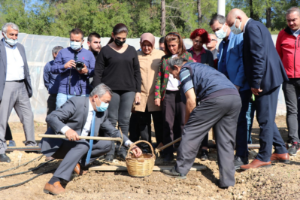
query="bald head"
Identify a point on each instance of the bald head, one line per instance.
(238, 17)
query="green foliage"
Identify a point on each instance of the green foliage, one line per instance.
(58, 17)
(278, 10)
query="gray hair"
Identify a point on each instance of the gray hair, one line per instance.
(176, 61)
(9, 24)
(220, 18)
(56, 49)
(293, 9)
(100, 90)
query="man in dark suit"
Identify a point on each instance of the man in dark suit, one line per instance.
(265, 73)
(15, 87)
(79, 116)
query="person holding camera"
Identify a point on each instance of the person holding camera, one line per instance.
(75, 65)
(118, 67)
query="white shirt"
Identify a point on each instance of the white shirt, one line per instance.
(173, 83)
(245, 25)
(88, 124)
(15, 63)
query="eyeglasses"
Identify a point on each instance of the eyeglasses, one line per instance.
(214, 40)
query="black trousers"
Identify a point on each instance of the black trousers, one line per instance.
(140, 126)
(173, 110)
(8, 135)
(51, 104)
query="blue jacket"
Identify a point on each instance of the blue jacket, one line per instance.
(262, 64)
(51, 81)
(204, 79)
(234, 61)
(71, 81)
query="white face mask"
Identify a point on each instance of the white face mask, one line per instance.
(75, 45)
(220, 33)
(9, 41)
(236, 30)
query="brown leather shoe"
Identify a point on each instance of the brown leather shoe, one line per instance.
(256, 164)
(283, 158)
(54, 189)
(78, 170)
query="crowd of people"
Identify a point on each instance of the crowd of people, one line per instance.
(186, 92)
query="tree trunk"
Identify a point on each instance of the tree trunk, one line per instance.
(163, 18)
(268, 17)
(199, 12)
(252, 14)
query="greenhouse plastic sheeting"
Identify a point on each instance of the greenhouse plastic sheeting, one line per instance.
(39, 52)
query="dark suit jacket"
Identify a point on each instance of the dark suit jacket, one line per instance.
(74, 114)
(263, 67)
(3, 67)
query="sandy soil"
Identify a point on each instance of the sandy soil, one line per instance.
(278, 182)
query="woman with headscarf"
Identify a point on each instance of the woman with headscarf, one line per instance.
(199, 37)
(140, 125)
(167, 93)
(118, 67)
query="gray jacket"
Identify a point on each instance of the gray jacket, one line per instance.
(74, 114)
(3, 68)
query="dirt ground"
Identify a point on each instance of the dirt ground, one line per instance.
(278, 182)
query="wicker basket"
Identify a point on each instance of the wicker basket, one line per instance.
(142, 166)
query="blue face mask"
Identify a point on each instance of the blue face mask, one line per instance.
(236, 30)
(220, 33)
(9, 41)
(102, 108)
(75, 45)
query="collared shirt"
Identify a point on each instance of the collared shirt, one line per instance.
(246, 25)
(173, 83)
(197, 58)
(222, 67)
(51, 81)
(87, 126)
(15, 63)
(295, 33)
(71, 82)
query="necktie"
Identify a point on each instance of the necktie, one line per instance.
(88, 157)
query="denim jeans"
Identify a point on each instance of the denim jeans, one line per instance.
(62, 98)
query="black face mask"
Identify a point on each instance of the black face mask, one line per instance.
(119, 42)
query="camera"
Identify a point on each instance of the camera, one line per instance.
(79, 65)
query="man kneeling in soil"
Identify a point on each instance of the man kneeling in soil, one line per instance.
(211, 101)
(79, 116)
